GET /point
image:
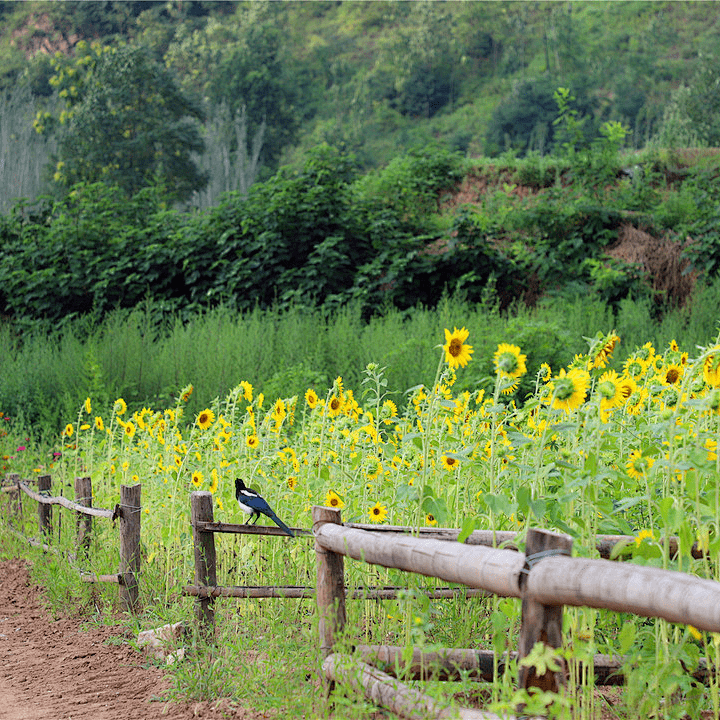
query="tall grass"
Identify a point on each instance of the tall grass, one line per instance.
(45, 376)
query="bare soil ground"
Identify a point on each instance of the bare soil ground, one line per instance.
(62, 669)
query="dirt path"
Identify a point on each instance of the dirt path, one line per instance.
(56, 670)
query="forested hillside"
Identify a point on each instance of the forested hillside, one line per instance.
(378, 153)
(381, 77)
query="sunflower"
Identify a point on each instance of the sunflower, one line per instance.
(712, 400)
(215, 481)
(711, 369)
(205, 418)
(638, 464)
(335, 406)
(120, 407)
(430, 519)
(292, 482)
(69, 430)
(311, 398)
(570, 389)
(646, 352)
(197, 478)
(457, 353)
(627, 387)
(509, 362)
(252, 441)
(279, 412)
(657, 363)
(377, 512)
(99, 423)
(449, 462)
(186, 393)
(88, 406)
(635, 367)
(129, 429)
(333, 500)
(389, 409)
(610, 389)
(351, 407)
(644, 535)
(544, 373)
(636, 401)
(601, 353)
(247, 390)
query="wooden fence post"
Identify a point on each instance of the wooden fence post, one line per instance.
(201, 510)
(129, 545)
(14, 479)
(83, 523)
(540, 623)
(44, 511)
(330, 590)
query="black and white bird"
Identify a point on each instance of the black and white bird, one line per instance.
(255, 505)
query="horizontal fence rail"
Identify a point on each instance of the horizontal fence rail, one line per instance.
(454, 664)
(623, 587)
(221, 527)
(582, 582)
(476, 566)
(604, 544)
(69, 504)
(303, 592)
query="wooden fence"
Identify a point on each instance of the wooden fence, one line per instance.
(206, 590)
(545, 577)
(127, 511)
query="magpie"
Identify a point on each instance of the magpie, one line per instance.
(255, 505)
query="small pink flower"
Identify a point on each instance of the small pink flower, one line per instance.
(21, 448)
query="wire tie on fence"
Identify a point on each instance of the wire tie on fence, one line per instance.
(535, 558)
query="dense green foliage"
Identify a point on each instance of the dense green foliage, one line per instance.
(123, 121)
(328, 234)
(322, 234)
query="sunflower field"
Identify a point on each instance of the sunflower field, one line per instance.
(591, 450)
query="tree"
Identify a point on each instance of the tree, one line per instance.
(524, 121)
(243, 63)
(693, 115)
(125, 122)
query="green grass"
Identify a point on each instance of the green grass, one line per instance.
(44, 377)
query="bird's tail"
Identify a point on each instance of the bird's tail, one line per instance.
(281, 525)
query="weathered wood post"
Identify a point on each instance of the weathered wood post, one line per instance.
(201, 510)
(330, 589)
(44, 483)
(83, 523)
(14, 479)
(129, 545)
(541, 623)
